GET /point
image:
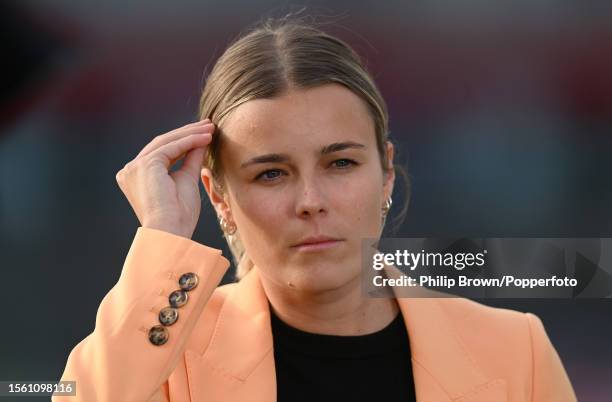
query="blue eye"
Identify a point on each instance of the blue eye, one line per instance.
(266, 175)
(272, 174)
(347, 163)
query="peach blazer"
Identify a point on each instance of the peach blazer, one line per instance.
(221, 349)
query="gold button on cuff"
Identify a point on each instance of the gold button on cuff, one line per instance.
(178, 298)
(158, 335)
(188, 281)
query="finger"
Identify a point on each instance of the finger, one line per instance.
(174, 135)
(171, 152)
(193, 162)
(184, 154)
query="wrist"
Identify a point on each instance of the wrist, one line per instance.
(168, 227)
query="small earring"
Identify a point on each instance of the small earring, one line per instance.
(229, 228)
(385, 209)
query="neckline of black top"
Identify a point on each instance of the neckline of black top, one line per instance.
(390, 339)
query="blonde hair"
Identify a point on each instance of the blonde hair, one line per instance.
(274, 56)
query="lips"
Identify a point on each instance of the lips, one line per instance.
(315, 240)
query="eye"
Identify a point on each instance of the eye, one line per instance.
(268, 175)
(344, 163)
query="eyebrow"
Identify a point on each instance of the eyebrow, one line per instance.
(277, 158)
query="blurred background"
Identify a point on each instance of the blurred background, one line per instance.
(501, 110)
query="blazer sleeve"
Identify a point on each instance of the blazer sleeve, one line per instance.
(549, 379)
(117, 362)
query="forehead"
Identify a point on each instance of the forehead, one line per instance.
(299, 117)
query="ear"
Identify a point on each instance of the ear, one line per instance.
(389, 176)
(217, 199)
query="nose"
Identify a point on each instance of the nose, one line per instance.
(310, 199)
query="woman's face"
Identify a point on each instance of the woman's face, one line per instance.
(300, 165)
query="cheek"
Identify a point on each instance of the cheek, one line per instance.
(258, 213)
(359, 201)
(261, 219)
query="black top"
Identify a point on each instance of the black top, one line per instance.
(313, 367)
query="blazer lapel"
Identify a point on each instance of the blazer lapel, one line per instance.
(442, 367)
(238, 364)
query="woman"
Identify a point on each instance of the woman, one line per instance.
(299, 169)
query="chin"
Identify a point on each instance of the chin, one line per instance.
(320, 279)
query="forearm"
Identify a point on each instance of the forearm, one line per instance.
(117, 361)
